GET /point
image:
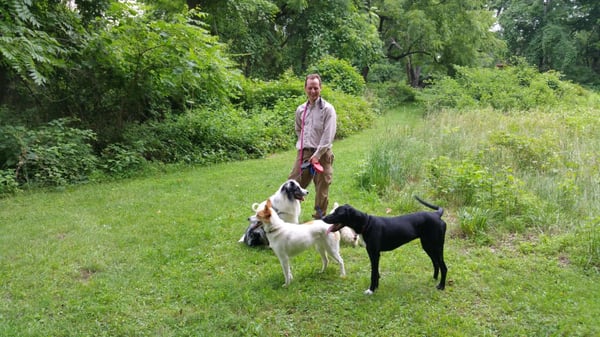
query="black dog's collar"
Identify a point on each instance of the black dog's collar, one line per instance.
(365, 227)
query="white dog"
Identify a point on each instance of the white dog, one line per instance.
(286, 202)
(288, 240)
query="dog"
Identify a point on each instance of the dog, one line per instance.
(288, 240)
(388, 233)
(286, 202)
(347, 235)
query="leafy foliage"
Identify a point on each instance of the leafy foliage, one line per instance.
(207, 136)
(142, 69)
(8, 183)
(430, 37)
(52, 155)
(340, 75)
(515, 87)
(25, 47)
(559, 35)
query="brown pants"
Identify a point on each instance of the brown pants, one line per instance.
(321, 180)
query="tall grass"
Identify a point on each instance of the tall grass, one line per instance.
(502, 171)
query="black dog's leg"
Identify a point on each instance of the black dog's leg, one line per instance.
(437, 258)
(444, 270)
(433, 255)
(374, 257)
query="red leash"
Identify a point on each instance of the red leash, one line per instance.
(302, 140)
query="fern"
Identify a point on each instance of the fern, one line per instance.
(30, 52)
(21, 9)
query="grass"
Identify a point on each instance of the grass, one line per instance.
(158, 256)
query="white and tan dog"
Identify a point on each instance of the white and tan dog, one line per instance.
(289, 239)
(286, 202)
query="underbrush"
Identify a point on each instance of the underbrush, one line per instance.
(63, 152)
(501, 173)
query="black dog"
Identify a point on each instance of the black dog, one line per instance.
(255, 236)
(388, 233)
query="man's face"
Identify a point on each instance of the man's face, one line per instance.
(313, 89)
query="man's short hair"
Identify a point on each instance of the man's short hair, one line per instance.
(312, 77)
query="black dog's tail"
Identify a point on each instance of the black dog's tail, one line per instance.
(438, 209)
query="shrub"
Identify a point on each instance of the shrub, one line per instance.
(52, 155)
(265, 95)
(8, 182)
(392, 94)
(206, 136)
(386, 72)
(353, 113)
(468, 183)
(120, 161)
(339, 75)
(529, 153)
(515, 87)
(475, 222)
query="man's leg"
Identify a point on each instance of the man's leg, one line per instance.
(303, 177)
(322, 182)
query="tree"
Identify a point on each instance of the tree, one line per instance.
(250, 32)
(437, 34)
(26, 49)
(555, 34)
(269, 36)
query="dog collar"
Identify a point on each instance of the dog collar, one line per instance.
(364, 229)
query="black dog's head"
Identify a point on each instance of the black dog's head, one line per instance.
(342, 216)
(293, 191)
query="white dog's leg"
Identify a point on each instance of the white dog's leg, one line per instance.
(334, 250)
(323, 252)
(368, 292)
(242, 238)
(287, 271)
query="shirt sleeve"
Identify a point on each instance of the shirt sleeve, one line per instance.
(298, 123)
(329, 129)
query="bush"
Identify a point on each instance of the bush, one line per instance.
(265, 95)
(339, 75)
(8, 182)
(475, 222)
(206, 136)
(468, 183)
(528, 153)
(515, 87)
(118, 160)
(353, 113)
(393, 94)
(52, 155)
(386, 72)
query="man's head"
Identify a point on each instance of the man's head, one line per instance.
(312, 87)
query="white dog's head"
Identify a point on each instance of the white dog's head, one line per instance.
(293, 191)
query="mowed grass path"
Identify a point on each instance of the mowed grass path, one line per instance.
(158, 256)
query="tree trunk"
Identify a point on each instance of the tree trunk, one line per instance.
(412, 73)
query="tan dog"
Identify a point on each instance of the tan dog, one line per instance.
(288, 240)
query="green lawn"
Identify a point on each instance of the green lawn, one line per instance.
(158, 256)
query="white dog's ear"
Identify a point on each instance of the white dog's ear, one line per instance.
(265, 213)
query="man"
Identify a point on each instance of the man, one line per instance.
(315, 127)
